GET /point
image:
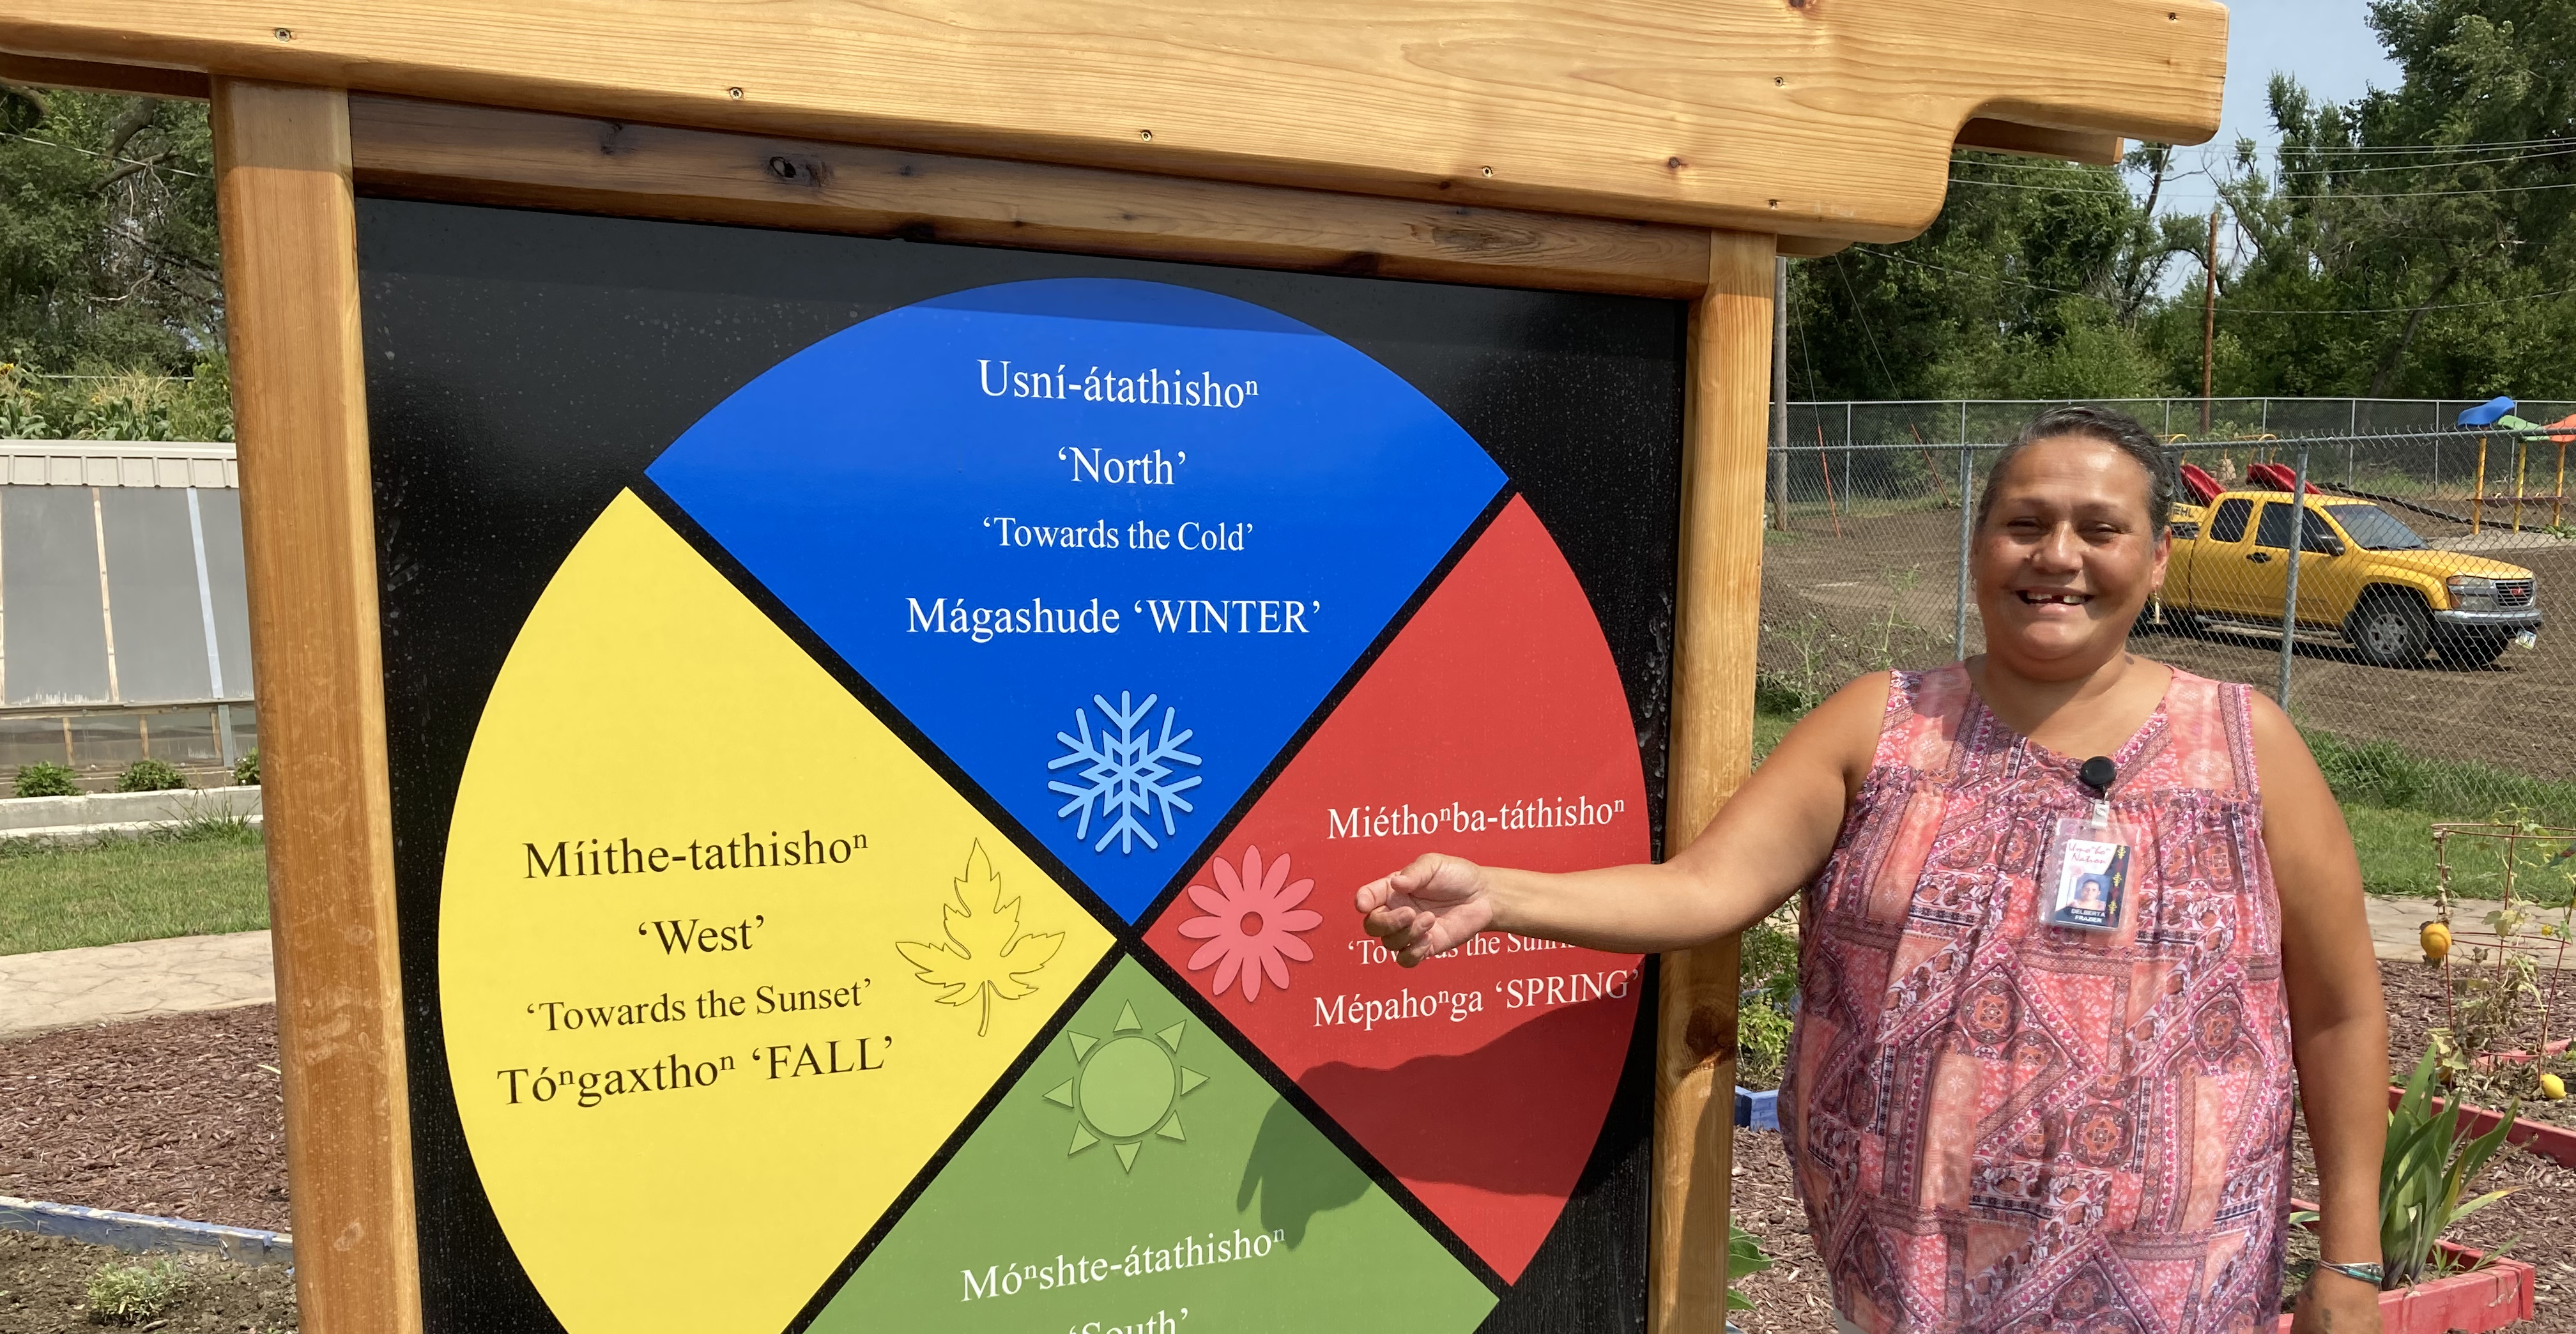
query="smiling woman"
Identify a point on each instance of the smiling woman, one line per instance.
(2027, 972)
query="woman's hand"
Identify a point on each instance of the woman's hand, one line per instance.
(2337, 1304)
(1430, 907)
(1770, 838)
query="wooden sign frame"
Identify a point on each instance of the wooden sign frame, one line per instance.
(1635, 158)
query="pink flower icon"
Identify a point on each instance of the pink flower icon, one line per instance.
(1251, 924)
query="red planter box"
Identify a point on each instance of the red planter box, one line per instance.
(2474, 1302)
(2540, 1137)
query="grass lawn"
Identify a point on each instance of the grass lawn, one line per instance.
(1768, 728)
(2396, 848)
(199, 879)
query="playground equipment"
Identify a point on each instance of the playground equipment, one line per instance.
(2497, 415)
(1489, 150)
(2277, 477)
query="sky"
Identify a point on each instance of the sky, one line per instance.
(2324, 44)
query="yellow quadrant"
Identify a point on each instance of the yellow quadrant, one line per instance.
(694, 1066)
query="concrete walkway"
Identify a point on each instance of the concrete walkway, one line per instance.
(108, 983)
(2396, 925)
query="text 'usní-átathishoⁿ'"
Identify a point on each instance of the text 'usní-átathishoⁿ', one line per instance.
(1147, 388)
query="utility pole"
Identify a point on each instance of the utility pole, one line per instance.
(1780, 393)
(2208, 321)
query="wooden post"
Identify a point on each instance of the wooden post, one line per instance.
(308, 537)
(2558, 494)
(2521, 472)
(1720, 600)
(1780, 395)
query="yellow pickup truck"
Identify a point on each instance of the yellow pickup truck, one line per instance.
(2363, 574)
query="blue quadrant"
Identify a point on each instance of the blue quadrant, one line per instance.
(1105, 542)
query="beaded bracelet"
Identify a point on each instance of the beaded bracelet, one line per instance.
(2371, 1273)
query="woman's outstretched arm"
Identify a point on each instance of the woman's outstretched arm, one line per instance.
(1769, 839)
(2338, 1022)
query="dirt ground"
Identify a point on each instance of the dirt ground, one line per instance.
(2536, 1224)
(2416, 1003)
(44, 1289)
(1886, 591)
(180, 1116)
(177, 1116)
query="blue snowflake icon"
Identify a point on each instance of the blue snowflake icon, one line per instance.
(1125, 773)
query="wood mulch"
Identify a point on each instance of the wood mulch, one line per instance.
(2536, 1224)
(181, 1116)
(2416, 1004)
(1790, 1297)
(177, 1116)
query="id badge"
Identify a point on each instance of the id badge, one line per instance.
(2084, 884)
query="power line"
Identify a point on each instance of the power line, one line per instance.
(2407, 310)
(1862, 313)
(2371, 150)
(122, 161)
(2223, 309)
(1964, 273)
(2356, 195)
(2424, 166)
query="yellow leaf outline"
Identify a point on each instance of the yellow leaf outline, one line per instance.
(986, 955)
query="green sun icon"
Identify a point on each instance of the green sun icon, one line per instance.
(1126, 1088)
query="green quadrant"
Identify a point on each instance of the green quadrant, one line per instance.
(1140, 1177)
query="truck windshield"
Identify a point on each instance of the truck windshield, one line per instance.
(2374, 529)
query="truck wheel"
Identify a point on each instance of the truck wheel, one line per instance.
(2390, 630)
(2470, 649)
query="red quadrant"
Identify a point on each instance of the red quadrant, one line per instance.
(1494, 727)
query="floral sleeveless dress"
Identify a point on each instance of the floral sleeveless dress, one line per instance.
(2002, 1126)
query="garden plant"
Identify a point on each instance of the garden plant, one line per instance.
(2423, 1171)
(151, 776)
(46, 780)
(2497, 1039)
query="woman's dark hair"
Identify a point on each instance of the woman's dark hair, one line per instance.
(2116, 429)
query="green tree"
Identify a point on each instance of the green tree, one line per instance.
(2415, 242)
(2408, 243)
(108, 259)
(2030, 284)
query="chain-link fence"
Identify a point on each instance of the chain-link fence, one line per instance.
(1952, 420)
(2415, 665)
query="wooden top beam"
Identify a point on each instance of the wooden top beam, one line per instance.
(1827, 119)
(529, 159)
(90, 76)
